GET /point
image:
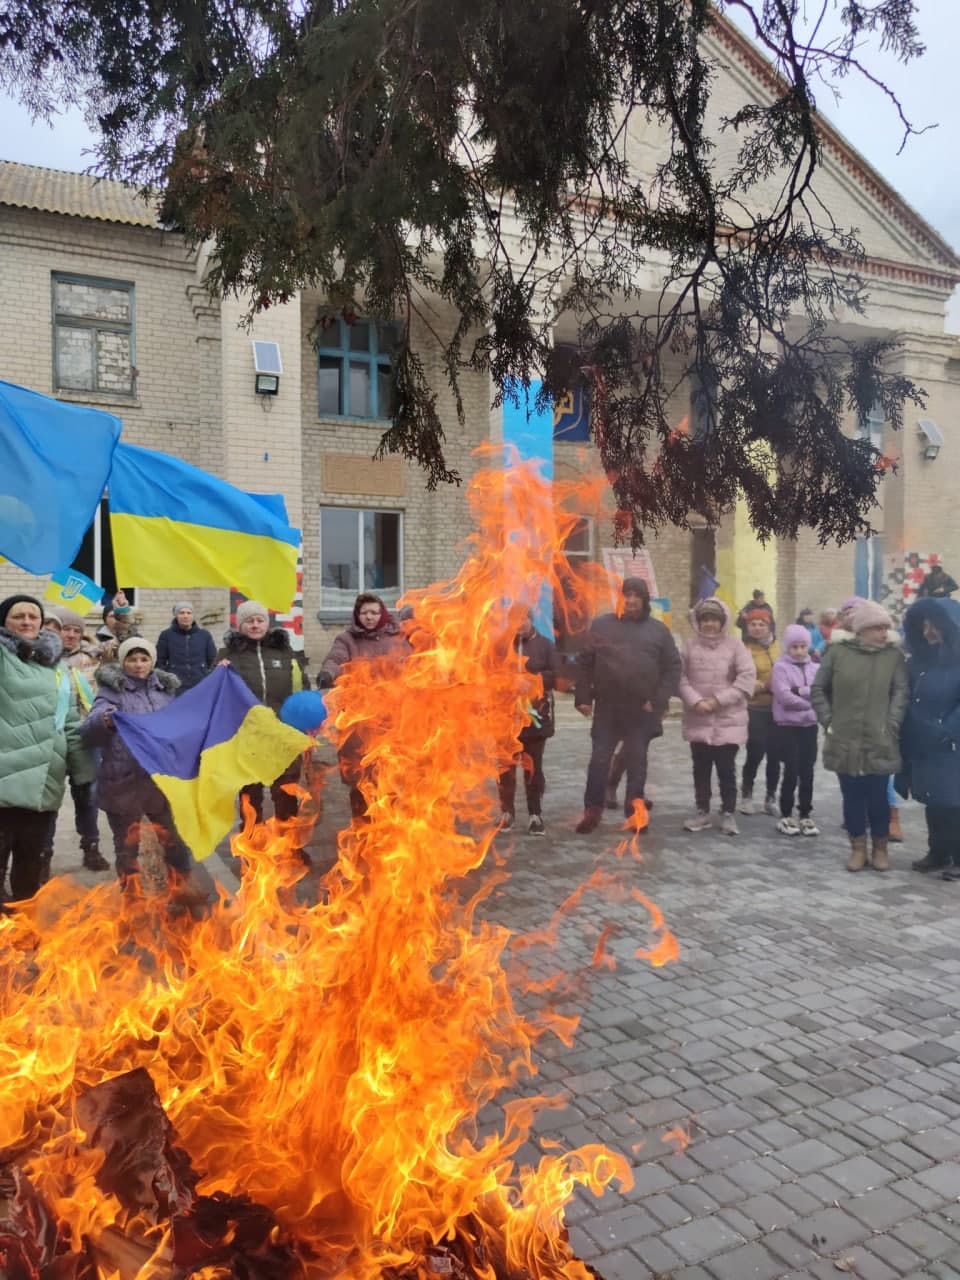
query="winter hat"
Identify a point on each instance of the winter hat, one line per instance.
(796, 633)
(184, 604)
(635, 587)
(852, 603)
(68, 618)
(132, 643)
(710, 608)
(51, 619)
(7, 605)
(869, 614)
(251, 609)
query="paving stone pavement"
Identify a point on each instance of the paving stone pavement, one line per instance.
(807, 1039)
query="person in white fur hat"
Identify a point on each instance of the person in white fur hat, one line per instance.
(860, 697)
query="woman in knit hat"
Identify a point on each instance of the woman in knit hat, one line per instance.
(186, 649)
(860, 697)
(265, 661)
(39, 741)
(125, 791)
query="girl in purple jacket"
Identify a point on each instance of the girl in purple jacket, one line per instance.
(795, 726)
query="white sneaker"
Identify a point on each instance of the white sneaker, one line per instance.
(746, 804)
(728, 825)
(788, 827)
(771, 807)
(699, 822)
(808, 827)
(536, 827)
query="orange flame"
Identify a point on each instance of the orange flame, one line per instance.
(678, 1138)
(331, 1061)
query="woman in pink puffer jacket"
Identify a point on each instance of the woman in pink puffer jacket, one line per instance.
(718, 678)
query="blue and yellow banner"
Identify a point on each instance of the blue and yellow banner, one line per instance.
(71, 589)
(571, 416)
(54, 463)
(174, 525)
(203, 747)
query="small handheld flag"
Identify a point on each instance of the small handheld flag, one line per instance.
(71, 589)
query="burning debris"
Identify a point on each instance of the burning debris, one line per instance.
(281, 1089)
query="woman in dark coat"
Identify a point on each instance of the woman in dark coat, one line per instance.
(536, 654)
(185, 649)
(265, 661)
(931, 731)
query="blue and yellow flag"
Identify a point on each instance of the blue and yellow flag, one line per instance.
(174, 525)
(203, 747)
(54, 463)
(71, 589)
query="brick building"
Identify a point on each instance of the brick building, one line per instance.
(106, 307)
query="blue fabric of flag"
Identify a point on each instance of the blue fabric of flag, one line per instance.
(708, 584)
(54, 462)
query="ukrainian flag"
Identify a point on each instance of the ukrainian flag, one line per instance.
(71, 589)
(203, 747)
(174, 525)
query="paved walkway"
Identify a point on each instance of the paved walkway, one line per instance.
(807, 1039)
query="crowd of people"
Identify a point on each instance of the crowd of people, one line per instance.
(881, 709)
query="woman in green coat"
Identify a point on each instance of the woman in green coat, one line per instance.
(860, 697)
(39, 740)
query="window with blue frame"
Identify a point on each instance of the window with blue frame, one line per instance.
(353, 369)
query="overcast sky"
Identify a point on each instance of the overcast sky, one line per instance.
(926, 173)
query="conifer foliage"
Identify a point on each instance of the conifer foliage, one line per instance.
(392, 152)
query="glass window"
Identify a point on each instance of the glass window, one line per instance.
(353, 369)
(360, 550)
(93, 335)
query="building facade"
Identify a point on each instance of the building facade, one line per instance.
(106, 307)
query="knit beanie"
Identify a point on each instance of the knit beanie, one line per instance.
(710, 608)
(51, 619)
(635, 587)
(869, 614)
(852, 603)
(7, 605)
(184, 604)
(132, 643)
(796, 633)
(251, 609)
(68, 618)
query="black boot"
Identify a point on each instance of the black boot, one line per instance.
(46, 857)
(93, 859)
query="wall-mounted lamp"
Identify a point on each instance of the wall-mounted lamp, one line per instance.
(931, 436)
(267, 367)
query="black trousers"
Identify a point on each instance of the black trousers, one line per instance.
(943, 834)
(761, 741)
(23, 834)
(284, 805)
(796, 745)
(705, 759)
(635, 729)
(530, 760)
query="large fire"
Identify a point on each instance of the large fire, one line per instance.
(326, 1062)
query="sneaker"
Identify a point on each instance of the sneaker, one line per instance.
(771, 807)
(589, 822)
(746, 804)
(535, 826)
(699, 822)
(808, 827)
(728, 825)
(506, 821)
(788, 827)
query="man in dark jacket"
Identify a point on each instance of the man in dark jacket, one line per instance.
(185, 649)
(627, 672)
(937, 585)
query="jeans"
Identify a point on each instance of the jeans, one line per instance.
(636, 729)
(761, 742)
(22, 836)
(943, 834)
(705, 757)
(893, 800)
(530, 760)
(865, 804)
(84, 816)
(126, 839)
(797, 748)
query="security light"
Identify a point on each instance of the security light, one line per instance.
(932, 438)
(267, 367)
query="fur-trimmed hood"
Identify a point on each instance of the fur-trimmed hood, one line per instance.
(276, 638)
(112, 676)
(45, 649)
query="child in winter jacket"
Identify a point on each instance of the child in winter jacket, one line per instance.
(795, 726)
(125, 791)
(762, 647)
(718, 678)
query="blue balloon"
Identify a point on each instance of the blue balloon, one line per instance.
(304, 711)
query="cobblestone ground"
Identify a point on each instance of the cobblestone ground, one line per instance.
(807, 1039)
